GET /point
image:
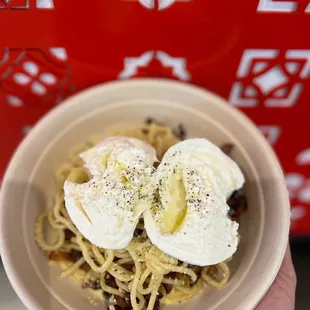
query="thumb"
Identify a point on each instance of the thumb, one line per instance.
(282, 293)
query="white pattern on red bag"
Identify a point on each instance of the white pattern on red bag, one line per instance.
(271, 132)
(176, 64)
(298, 212)
(59, 53)
(25, 4)
(34, 76)
(131, 64)
(158, 4)
(15, 4)
(304, 194)
(14, 101)
(45, 4)
(303, 158)
(280, 6)
(265, 76)
(277, 6)
(299, 192)
(298, 187)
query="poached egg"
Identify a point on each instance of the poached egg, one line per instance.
(189, 220)
(107, 209)
(183, 202)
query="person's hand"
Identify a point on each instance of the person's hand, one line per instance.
(281, 295)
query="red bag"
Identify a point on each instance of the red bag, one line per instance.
(254, 53)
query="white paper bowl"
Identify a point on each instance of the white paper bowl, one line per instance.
(28, 188)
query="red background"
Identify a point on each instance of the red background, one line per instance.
(211, 37)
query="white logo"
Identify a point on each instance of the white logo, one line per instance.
(271, 133)
(279, 6)
(262, 77)
(298, 187)
(177, 65)
(303, 158)
(25, 4)
(158, 4)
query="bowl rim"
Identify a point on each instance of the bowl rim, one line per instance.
(23, 292)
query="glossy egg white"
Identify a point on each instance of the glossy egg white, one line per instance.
(107, 209)
(204, 235)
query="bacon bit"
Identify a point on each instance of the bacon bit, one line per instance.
(76, 255)
(157, 303)
(168, 287)
(238, 213)
(149, 121)
(238, 204)
(128, 266)
(60, 256)
(94, 285)
(197, 270)
(72, 257)
(69, 234)
(171, 275)
(227, 148)
(156, 164)
(110, 281)
(138, 232)
(106, 295)
(123, 302)
(180, 132)
(212, 271)
(85, 267)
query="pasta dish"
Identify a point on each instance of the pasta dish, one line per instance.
(140, 275)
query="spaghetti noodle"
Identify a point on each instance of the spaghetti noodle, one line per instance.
(133, 278)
